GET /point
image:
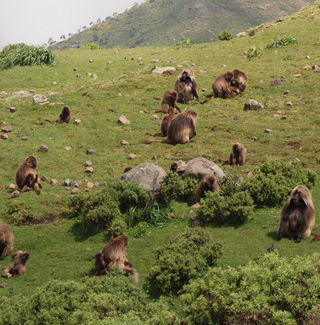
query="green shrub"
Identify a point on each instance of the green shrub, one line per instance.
(271, 290)
(225, 36)
(282, 41)
(18, 213)
(254, 52)
(92, 46)
(182, 258)
(272, 182)
(233, 209)
(185, 42)
(174, 187)
(22, 55)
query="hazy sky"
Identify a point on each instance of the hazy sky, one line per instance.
(35, 21)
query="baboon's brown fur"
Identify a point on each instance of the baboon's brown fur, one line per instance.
(298, 215)
(100, 264)
(19, 263)
(167, 119)
(238, 155)
(222, 86)
(207, 183)
(169, 99)
(239, 80)
(64, 116)
(186, 86)
(27, 177)
(6, 241)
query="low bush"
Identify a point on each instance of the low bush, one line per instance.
(225, 36)
(185, 42)
(254, 52)
(184, 257)
(282, 41)
(271, 290)
(92, 46)
(22, 55)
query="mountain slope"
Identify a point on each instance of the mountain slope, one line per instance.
(164, 22)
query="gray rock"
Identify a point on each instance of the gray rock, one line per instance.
(276, 82)
(6, 129)
(123, 120)
(252, 104)
(199, 167)
(45, 179)
(43, 148)
(147, 175)
(89, 170)
(37, 99)
(88, 163)
(14, 194)
(287, 92)
(67, 182)
(3, 93)
(167, 70)
(22, 93)
(90, 152)
(75, 184)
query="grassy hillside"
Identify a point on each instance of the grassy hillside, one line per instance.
(60, 249)
(165, 22)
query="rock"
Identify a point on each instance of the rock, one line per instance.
(6, 129)
(284, 117)
(50, 93)
(43, 148)
(75, 69)
(87, 189)
(315, 67)
(308, 57)
(267, 131)
(24, 138)
(276, 115)
(75, 191)
(306, 67)
(54, 182)
(12, 186)
(22, 93)
(116, 52)
(287, 92)
(90, 61)
(196, 205)
(132, 156)
(45, 179)
(109, 62)
(12, 109)
(140, 60)
(199, 167)
(96, 184)
(75, 184)
(90, 152)
(154, 60)
(236, 117)
(89, 170)
(252, 104)
(124, 142)
(78, 75)
(68, 148)
(123, 120)
(88, 163)
(3, 285)
(3, 93)
(67, 182)
(154, 117)
(89, 74)
(289, 104)
(296, 75)
(77, 122)
(276, 82)
(166, 70)
(37, 99)
(14, 194)
(90, 185)
(4, 136)
(94, 77)
(147, 175)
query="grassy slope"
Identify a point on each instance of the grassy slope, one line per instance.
(164, 22)
(58, 250)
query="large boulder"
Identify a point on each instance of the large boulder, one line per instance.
(199, 167)
(147, 175)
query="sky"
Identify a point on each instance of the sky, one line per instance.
(34, 21)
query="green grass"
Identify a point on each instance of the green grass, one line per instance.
(59, 249)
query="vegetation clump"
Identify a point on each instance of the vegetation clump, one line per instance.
(282, 41)
(225, 35)
(268, 288)
(92, 46)
(182, 258)
(185, 42)
(23, 55)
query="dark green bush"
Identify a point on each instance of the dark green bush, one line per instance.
(272, 182)
(225, 36)
(176, 188)
(271, 290)
(182, 258)
(18, 212)
(22, 55)
(282, 41)
(218, 209)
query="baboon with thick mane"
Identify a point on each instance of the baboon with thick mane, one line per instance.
(168, 100)
(6, 241)
(208, 183)
(181, 129)
(19, 263)
(166, 120)
(27, 177)
(239, 80)
(114, 255)
(64, 116)
(298, 215)
(238, 155)
(222, 86)
(186, 86)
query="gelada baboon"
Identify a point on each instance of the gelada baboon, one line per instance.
(239, 80)
(208, 183)
(167, 119)
(178, 166)
(181, 129)
(64, 116)
(169, 99)
(6, 241)
(114, 255)
(100, 264)
(186, 86)
(298, 215)
(238, 155)
(27, 177)
(19, 263)
(222, 86)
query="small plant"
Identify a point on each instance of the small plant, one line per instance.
(17, 213)
(225, 36)
(92, 46)
(282, 41)
(288, 57)
(182, 258)
(185, 42)
(254, 52)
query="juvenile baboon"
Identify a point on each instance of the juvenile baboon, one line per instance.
(238, 155)
(181, 129)
(178, 166)
(207, 183)
(167, 119)
(114, 255)
(222, 86)
(27, 177)
(100, 264)
(6, 241)
(64, 116)
(298, 215)
(19, 263)
(239, 80)
(186, 86)
(169, 99)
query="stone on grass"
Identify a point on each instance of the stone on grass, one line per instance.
(89, 170)
(90, 152)
(54, 181)
(75, 191)
(14, 194)
(88, 163)
(90, 185)
(67, 182)
(43, 148)
(22, 93)
(131, 156)
(4, 136)
(24, 138)
(162, 70)
(252, 104)
(12, 109)
(77, 122)
(124, 142)
(37, 99)
(12, 186)
(123, 120)
(6, 129)
(267, 131)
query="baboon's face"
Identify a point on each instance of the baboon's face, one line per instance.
(32, 161)
(297, 199)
